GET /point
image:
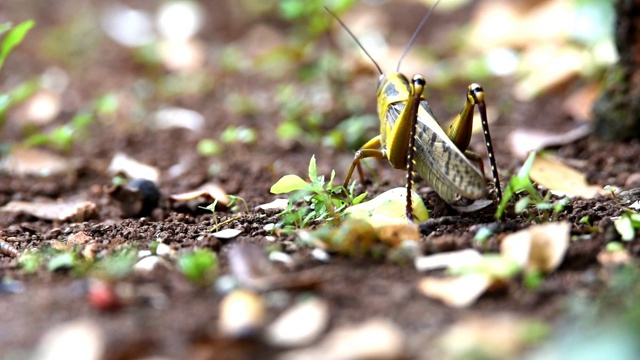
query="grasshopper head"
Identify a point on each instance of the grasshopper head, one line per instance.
(475, 93)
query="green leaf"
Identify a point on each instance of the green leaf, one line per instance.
(522, 204)
(60, 261)
(287, 184)
(200, 266)
(313, 171)
(14, 38)
(625, 227)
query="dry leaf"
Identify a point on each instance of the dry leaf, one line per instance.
(374, 339)
(448, 259)
(76, 211)
(299, 325)
(523, 141)
(460, 291)
(242, 314)
(557, 176)
(122, 163)
(579, 104)
(227, 234)
(30, 161)
(277, 204)
(539, 248)
(500, 336)
(388, 208)
(206, 193)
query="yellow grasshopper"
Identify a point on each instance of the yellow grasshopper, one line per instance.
(411, 138)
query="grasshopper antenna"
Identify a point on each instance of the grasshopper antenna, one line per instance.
(413, 37)
(355, 38)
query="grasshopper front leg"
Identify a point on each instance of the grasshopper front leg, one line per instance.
(461, 128)
(371, 149)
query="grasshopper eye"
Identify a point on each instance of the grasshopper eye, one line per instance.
(476, 92)
(419, 80)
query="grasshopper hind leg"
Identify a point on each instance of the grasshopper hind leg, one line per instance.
(460, 132)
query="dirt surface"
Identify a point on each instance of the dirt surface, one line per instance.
(167, 315)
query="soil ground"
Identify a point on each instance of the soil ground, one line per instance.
(178, 319)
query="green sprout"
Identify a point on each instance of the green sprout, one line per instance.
(323, 200)
(199, 266)
(521, 182)
(233, 206)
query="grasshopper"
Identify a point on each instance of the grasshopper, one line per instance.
(412, 140)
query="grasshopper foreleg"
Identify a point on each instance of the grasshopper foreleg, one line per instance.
(371, 149)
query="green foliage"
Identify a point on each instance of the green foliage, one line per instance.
(209, 147)
(116, 265)
(64, 260)
(30, 261)
(322, 200)
(627, 224)
(199, 266)
(63, 137)
(239, 134)
(13, 38)
(522, 183)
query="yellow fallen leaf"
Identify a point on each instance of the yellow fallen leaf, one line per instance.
(557, 176)
(389, 208)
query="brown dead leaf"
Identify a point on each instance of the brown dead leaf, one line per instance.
(374, 339)
(242, 314)
(557, 176)
(460, 291)
(31, 161)
(72, 210)
(206, 193)
(523, 141)
(124, 164)
(580, 103)
(299, 325)
(539, 248)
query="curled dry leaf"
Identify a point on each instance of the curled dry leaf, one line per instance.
(28, 161)
(523, 141)
(539, 248)
(459, 291)
(448, 259)
(374, 339)
(299, 325)
(206, 193)
(76, 211)
(242, 314)
(557, 176)
(124, 164)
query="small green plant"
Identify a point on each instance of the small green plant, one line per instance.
(199, 266)
(233, 206)
(522, 183)
(64, 136)
(323, 200)
(14, 36)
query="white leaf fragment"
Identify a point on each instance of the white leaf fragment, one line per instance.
(299, 325)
